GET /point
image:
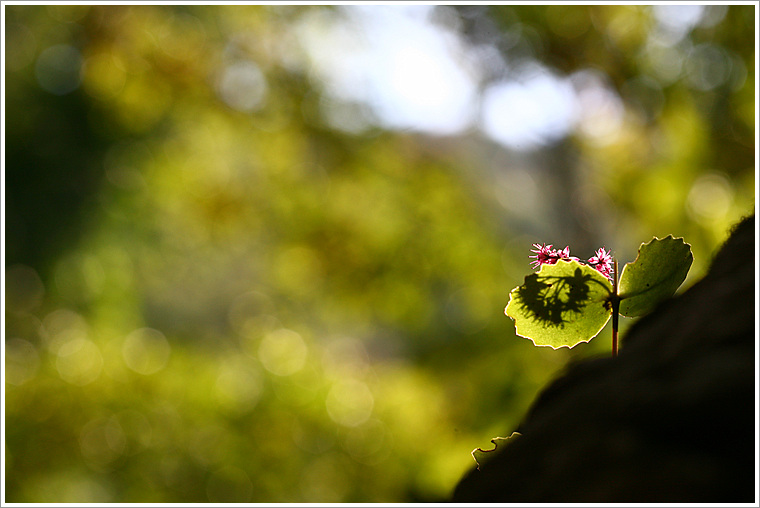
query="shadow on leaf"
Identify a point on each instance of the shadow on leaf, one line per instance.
(561, 305)
(553, 300)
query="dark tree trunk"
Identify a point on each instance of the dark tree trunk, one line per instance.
(671, 419)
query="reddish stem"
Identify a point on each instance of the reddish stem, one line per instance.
(615, 308)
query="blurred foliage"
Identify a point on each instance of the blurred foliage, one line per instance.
(219, 296)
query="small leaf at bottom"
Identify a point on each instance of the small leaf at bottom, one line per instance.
(481, 456)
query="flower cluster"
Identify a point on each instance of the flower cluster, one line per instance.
(602, 261)
(546, 255)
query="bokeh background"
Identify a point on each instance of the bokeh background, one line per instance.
(261, 253)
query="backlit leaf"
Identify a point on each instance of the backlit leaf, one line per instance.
(658, 270)
(561, 305)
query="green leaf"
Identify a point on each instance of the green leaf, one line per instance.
(561, 305)
(658, 270)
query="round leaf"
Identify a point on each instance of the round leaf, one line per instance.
(561, 305)
(658, 270)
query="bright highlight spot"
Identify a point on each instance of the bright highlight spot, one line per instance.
(104, 75)
(535, 109)
(349, 402)
(79, 362)
(283, 352)
(146, 351)
(410, 72)
(710, 198)
(242, 86)
(600, 110)
(238, 386)
(61, 326)
(678, 20)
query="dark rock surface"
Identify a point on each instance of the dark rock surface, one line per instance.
(671, 419)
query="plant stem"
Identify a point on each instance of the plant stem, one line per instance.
(615, 308)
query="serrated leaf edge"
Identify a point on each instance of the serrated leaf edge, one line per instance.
(625, 296)
(517, 331)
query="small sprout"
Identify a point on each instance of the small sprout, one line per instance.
(567, 302)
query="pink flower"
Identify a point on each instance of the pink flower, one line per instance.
(602, 261)
(545, 255)
(564, 254)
